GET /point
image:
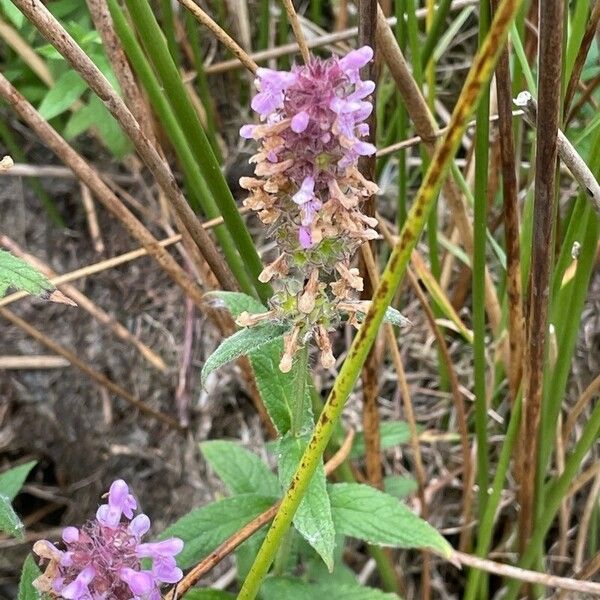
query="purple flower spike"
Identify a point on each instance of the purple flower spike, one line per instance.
(102, 560)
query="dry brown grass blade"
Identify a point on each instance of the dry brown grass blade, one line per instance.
(116, 55)
(297, 29)
(93, 374)
(584, 521)
(409, 414)
(586, 42)
(516, 338)
(88, 176)
(426, 127)
(550, 61)
(25, 51)
(54, 32)
(86, 304)
(330, 38)
(32, 362)
(457, 397)
(203, 18)
(593, 389)
(367, 14)
(91, 216)
(534, 577)
(110, 263)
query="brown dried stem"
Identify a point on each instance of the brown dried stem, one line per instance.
(550, 581)
(516, 337)
(242, 56)
(457, 397)
(409, 413)
(426, 127)
(86, 304)
(367, 18)
(550, 59)
(297, 28)
(116, 55)
(54, 32)
(96, 376)
(88, 176)
(324, 40)
(586, 42)
(110, 263)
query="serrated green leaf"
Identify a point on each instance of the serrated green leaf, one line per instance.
(29, 574)
(68, 88)
(392, 434)
(313, 517)
(204, 528)
(236, 303)
(241, 343)
(208, 594)
(399, 486)
(240, 470)
(12, 481)
(16, 273)
(279, 588)
(368, 514)
(9, 521)
(277, 389)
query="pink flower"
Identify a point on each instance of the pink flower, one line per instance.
(103, 558)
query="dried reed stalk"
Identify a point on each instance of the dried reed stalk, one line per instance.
(516, 334)
(55, 33)
(86, 304)
(548, 118)
(88, 176)
(116, 55)
(93, 374)
(426, 127)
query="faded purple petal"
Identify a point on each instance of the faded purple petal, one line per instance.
(119, 497)
(305, 238)
(306, 192)
(166, 570)
(70, 534)
(357, 59)
(169, 547)
(364, 148)
(139, 525)
(139, 582)
(78, 589)
(266, 102)
(109, 516)
(300, 122)
(247, 131)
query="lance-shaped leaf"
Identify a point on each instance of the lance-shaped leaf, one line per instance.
(12, 481)
(241, 343)
(392, 433)
(313, 517)
(9, 521)
(368, 514)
